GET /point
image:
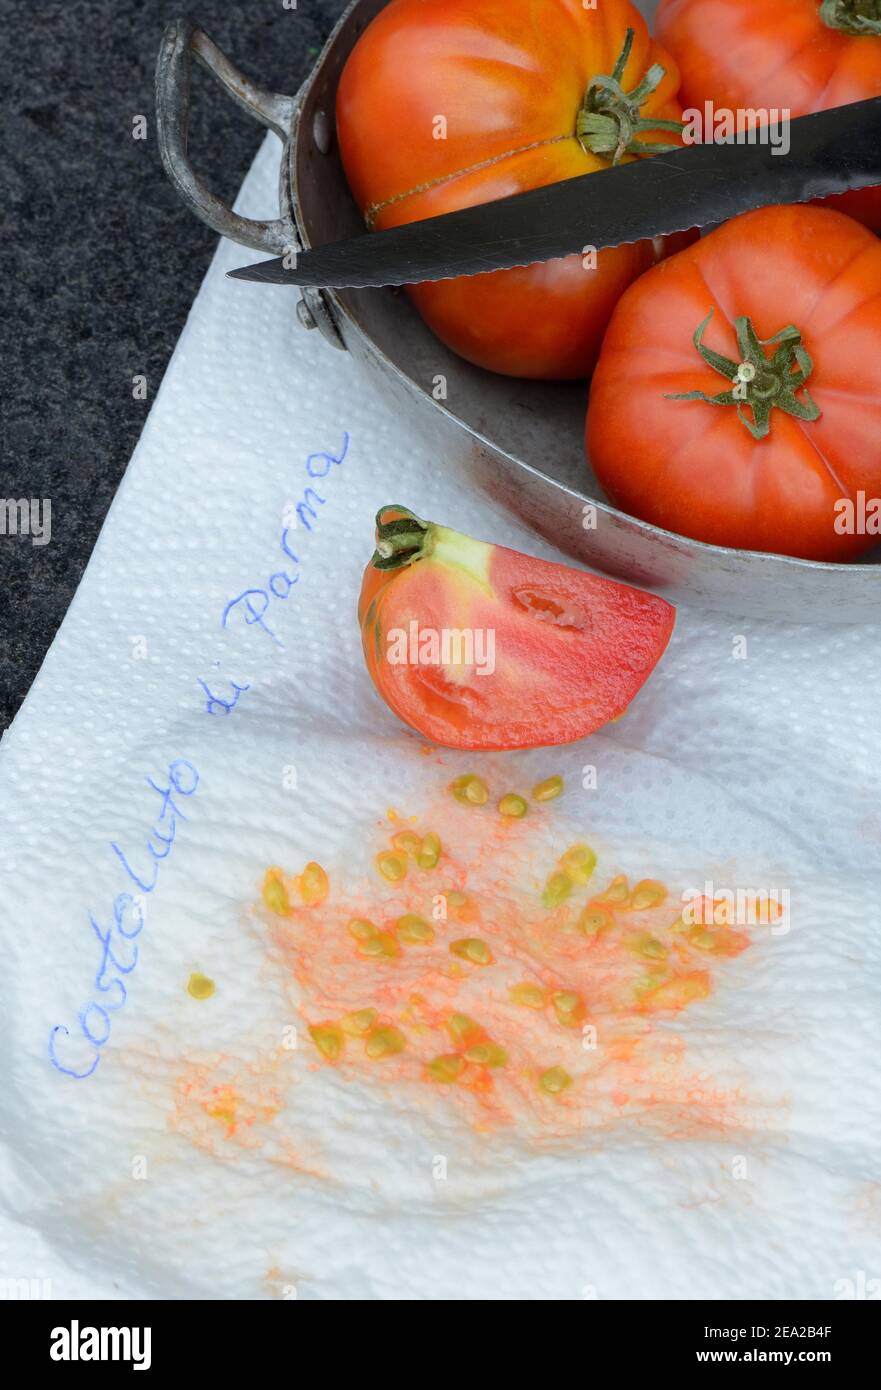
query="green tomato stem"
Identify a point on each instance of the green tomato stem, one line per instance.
(610, 120)
(761, 382)
(399, 540)
(860, 17)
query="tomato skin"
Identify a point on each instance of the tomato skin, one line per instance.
(770, 54)
(508, 77)
(692, 467)
(569, 650)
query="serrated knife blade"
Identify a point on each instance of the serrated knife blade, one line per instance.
(829, 152)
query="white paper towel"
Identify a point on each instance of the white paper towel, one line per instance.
(735, 1154)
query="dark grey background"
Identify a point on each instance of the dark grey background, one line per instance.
(100, 260)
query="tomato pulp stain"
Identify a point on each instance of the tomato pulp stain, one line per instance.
(224, 1100)
(513, 977)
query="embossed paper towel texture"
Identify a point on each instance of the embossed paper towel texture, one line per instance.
(329, 1182)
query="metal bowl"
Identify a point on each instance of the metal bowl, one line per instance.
(520, 441)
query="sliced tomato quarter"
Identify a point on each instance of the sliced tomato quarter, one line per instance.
(481, 647)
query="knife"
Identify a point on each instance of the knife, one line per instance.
(830, 152)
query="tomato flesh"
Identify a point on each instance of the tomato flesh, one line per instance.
(545, 654)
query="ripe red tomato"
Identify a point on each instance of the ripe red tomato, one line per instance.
(803, 55)
(444, 105)
(476, 646)
(773, 469)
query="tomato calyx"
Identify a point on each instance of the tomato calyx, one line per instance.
(759, 381)
(401, 538)
(852, 16)
(610, 120)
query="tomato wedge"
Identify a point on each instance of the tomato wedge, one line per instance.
(477, 646)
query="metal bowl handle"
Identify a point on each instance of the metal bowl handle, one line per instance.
(181, 40)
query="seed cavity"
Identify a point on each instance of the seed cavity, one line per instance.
(545, 608)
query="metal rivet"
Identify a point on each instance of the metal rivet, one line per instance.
(305, 315)
(322, 132)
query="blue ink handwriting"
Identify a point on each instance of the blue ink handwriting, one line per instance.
(253, 603)
(117, 954)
